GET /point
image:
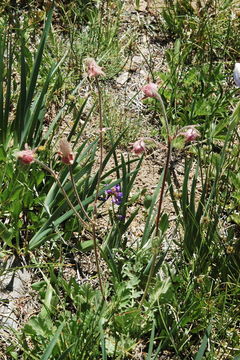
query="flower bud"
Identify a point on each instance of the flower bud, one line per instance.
(26, 156)
(190, 133)
(67, 156)
(94, 69)
(150, 90)
(138, 147)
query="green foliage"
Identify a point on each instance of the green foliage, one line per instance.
(60, 216)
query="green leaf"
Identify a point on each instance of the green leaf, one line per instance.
(204, 344)
(5, 234)
(235, 218)
(149, 226)
(47, 353)
(164, 223)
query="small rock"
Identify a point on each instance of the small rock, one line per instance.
(136, 63)
(123, 78)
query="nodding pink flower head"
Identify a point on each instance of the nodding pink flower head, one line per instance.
(138, 147)
(190, 134)
(66, 153)
(94, 69)
(26, 156)
(150, 90)
(236, 74)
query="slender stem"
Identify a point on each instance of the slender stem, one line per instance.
(95, 211)
(159, 98)
(160, 201)
(77, 195)
(100, 138)
(63, 191)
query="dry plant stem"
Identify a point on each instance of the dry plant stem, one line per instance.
(77, 195)
(64, 192)
(97, 188)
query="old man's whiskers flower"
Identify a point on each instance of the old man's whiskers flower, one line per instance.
(190, 133)
(150, 90)
(93, 68)
(138, 147)
(26, 156)
(66, 153)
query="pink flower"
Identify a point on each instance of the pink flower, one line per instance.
(67, 156)
(26, 156)
(150, 90)
(94, 69)
(190, 134)
(138, 147)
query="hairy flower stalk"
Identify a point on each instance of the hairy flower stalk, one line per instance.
(151, 91)
(190, 134)
(94, 71)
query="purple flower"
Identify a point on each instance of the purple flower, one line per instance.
(117, 199)
(115, 193)
(118, 188)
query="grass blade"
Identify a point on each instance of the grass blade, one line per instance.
(204, 344)
(49, 349)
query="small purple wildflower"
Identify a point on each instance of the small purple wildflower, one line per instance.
(118, 188)
(115, 193)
